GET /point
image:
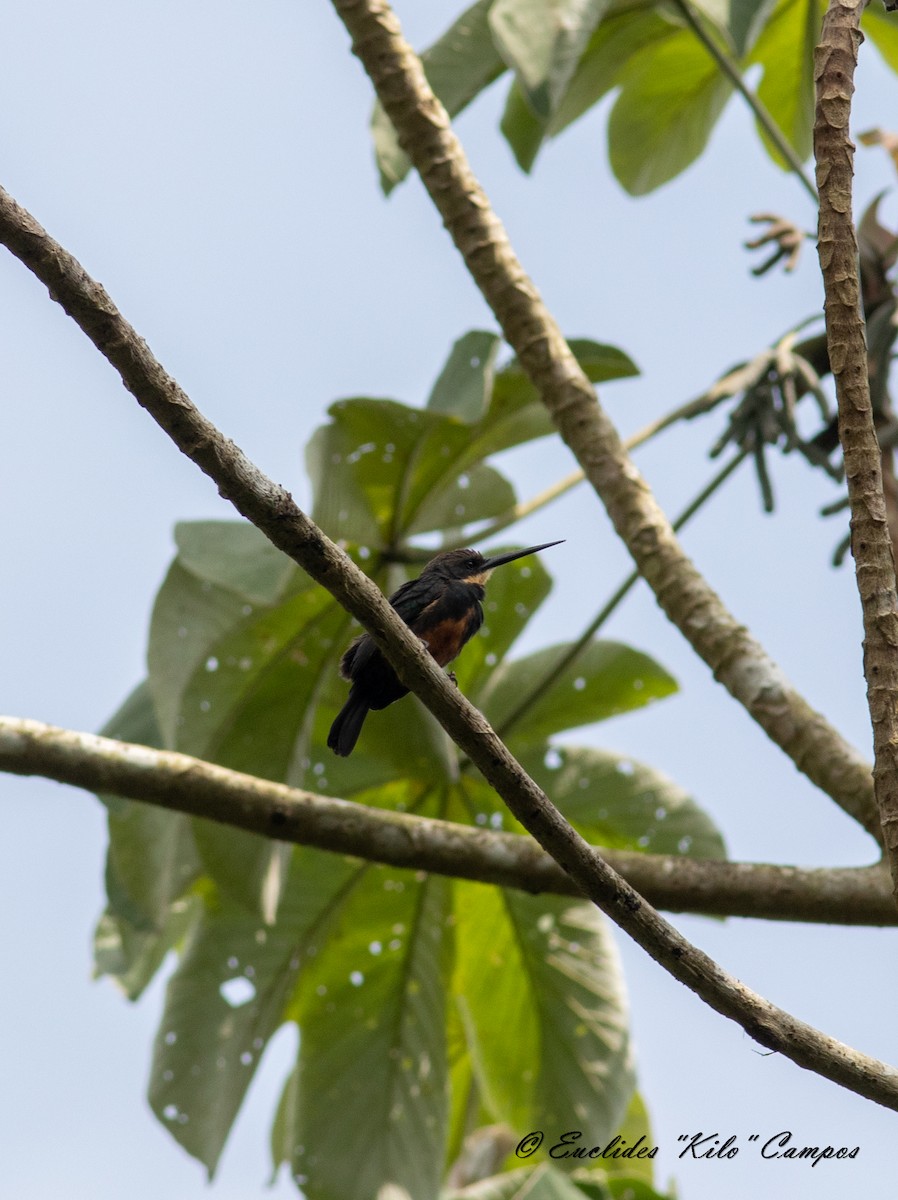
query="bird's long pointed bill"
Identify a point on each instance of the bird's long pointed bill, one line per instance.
(501, 559)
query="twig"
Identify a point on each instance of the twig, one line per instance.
(835, 60)
(735, 657)
(274, 512)
(179, 783)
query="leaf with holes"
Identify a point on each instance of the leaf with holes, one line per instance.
(372, 1015)
(233, 988)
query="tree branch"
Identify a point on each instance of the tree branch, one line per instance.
(735, 657)
(835, 60)
(274, 512)
(179, 783)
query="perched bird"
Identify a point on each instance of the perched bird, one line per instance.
(443, 607)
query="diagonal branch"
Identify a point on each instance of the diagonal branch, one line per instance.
(179, 783)
(835, 60)
(735, 657)
(272, 509)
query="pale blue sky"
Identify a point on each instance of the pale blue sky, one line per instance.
(209, 164)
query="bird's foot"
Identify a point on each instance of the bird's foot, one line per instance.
(451, 675)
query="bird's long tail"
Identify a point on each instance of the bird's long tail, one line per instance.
(347, 726)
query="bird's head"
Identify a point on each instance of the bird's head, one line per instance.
(470, 566)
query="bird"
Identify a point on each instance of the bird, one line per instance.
(443, 606)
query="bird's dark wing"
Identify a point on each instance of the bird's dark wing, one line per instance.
(409, 600)
(448, 622)
(414, 596)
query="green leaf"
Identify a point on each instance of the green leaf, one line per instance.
(151, 859)
(466, 381)
(522, 128)
(671, 97)
(882, 29)
(616, 802)
(132, 956)
(624, 33)
(517, 415)
(543, 40)
(236, 556)
(151, 863)
(384, 471)
(785, 49)
(605, 679)
(636, 1131)
(235, 682)
(541, 998)
(373, 1048)
(460, 65)
(602, 362)
(230, 993)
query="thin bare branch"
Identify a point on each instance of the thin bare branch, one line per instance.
(835, 60)
(735, 657)
(274, 512)
(179, 783)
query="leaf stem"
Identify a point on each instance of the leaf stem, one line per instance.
(730, 68)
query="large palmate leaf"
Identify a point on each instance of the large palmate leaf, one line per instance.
(404, 471)
(624, 31)
(373, 1021)
(232, 990)
(425, 1006)
(465, 384)
(239, 646)
(384, 472)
